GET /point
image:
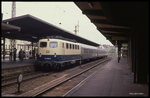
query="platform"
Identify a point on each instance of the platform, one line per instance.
(11, 64)
(113, 79)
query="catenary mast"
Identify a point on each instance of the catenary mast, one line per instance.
(13, 41)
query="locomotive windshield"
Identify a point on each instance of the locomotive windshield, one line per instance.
(43, 44)
(53, 44)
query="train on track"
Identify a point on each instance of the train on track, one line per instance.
(56, 53)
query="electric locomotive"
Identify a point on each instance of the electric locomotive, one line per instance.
(56, 53)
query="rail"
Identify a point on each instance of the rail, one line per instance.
(57, 82)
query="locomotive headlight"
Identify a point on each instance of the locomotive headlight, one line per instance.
(54, 54)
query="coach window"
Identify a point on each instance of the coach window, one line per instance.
(73, 46)
(43, 44)
(62, 45)
(53, 44)
(70, 46)
(67, 45)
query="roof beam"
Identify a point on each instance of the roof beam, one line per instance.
(115, 34)
(109, 26)
(114, 38)
(114, 29)
(99, 21)
(105, 21)
(93, 12)
(88, 5)
(119, 38)
(97, 17)
(111, 32)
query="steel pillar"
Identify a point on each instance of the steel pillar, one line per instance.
(140, 51)
(3, 44)
(12, 41)
(119, 46)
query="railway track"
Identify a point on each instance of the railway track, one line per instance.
(28, 76)
(14, 77)
(12, 72)
(41, 90)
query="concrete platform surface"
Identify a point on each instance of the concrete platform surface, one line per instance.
(11, 64)
(113, 79)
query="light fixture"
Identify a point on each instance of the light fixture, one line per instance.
(90, 4)
(34, 37)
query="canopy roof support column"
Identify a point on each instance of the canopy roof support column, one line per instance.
(3, 44)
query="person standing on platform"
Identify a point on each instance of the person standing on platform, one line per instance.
(33, 54)
(21, 55)
(30, 53)
(24, 54)
(119, 56)
(10, 56)
(14, 54)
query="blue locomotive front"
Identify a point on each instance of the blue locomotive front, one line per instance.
(55, 53)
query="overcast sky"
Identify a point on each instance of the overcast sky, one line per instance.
(66, 13)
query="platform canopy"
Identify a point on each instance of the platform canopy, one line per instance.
(116, 20)
(33, 29)
(7, 27)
